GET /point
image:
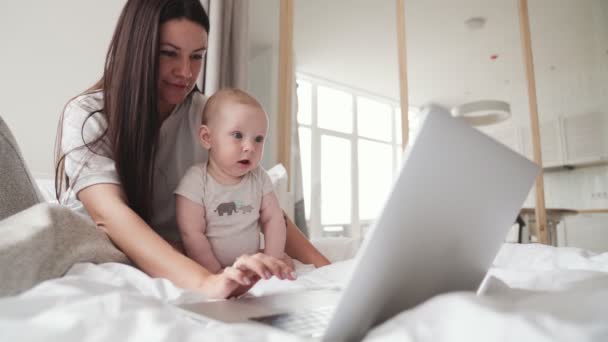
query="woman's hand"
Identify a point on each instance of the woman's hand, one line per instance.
(246, 271)
(289, 261)
(229, 283)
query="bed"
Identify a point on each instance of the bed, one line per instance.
(534, 293)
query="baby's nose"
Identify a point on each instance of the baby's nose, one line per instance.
(248, 145)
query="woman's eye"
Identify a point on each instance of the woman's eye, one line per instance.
(199, 55)
(168, 53)
(237, 135)
(259, 139)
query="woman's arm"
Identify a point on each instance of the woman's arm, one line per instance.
(299, 247)
(107, 206)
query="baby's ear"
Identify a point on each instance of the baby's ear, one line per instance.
(204, 136)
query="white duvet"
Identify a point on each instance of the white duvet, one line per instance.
(536, 293)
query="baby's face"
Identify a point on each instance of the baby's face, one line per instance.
(237, 138)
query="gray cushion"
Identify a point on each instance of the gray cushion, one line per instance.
(18, 190)
(44, 241)
(40, 241)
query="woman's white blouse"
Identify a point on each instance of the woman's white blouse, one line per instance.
(178, 149)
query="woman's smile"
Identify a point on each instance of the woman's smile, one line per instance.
(177, 85)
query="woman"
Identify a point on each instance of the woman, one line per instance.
(124, 144)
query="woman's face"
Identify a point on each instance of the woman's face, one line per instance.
(183, 44)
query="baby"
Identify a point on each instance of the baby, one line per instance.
(221, 204)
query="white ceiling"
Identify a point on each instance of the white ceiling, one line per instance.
(353, 42)
(451, 64)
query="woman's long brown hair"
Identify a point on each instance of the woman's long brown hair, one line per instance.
(130, 100)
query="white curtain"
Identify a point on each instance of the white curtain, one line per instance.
(227, 55)
(297, 184)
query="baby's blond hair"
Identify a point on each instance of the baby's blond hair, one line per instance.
(212, 108)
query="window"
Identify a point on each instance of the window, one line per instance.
(350, 146)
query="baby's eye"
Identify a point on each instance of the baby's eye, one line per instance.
(237, 135)
(259, 139)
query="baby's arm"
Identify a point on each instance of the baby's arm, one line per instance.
(192, 224)
(273, 226)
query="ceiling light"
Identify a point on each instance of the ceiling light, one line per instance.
(484, 112)
(475, 23)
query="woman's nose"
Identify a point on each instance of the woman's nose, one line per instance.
(183, 69)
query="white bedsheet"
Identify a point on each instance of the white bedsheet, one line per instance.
(539, 293)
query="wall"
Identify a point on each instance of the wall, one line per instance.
(51, 51)
(54, 50)
(581, 188)
(350, 42)
(263, 67)
(572, 48)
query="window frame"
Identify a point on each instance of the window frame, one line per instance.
(354, 227)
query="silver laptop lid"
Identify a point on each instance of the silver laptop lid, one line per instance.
(457, 193)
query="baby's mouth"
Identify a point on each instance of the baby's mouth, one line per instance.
(244, 162)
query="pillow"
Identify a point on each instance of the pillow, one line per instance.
(47, 189)
(278, 176)
(42, 242)
(18, 190)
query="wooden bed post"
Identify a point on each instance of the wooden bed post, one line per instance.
(285, 85)
(541, 217)
(402, 58)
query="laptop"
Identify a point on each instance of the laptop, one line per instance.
(457, 193)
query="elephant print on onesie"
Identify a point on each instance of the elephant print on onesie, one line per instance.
(232, 207)
(226, 208)
(246, 209)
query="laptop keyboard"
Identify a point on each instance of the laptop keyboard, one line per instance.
(304, 323)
